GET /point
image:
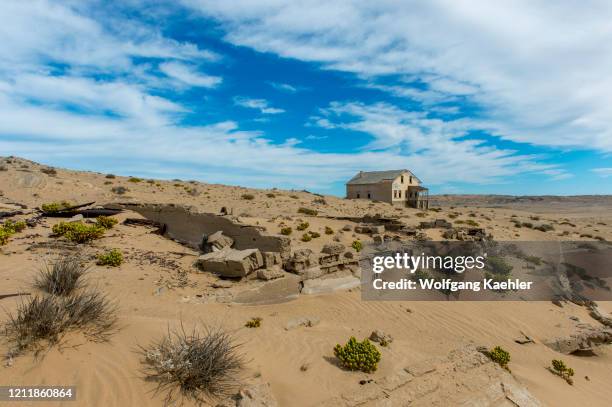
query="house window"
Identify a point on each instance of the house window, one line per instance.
(411, 179)
(399, 193)
(402, 179)
(369, 195)
(357, 195)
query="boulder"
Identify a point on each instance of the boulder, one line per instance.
(333, 248)
(347, 228)
(231, 262)
(370, 229)
(272, 259)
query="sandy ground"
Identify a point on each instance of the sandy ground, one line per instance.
(158, 287)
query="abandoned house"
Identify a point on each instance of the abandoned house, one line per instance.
(397, 187)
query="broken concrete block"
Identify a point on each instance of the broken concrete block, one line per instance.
(230, 262)
(271, 258)
(333, 248)
(302, 259)
(218, 241)
(268, 274)
(322, 286)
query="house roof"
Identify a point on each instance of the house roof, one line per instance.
(373, 177)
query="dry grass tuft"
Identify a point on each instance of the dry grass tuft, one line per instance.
(42, 321)
(199, 366)
(62, 277)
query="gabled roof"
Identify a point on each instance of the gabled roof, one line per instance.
(373, 177)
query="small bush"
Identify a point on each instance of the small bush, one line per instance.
(4, 237)
(151, 181)
(9, 228)
(314, 235)
(108, 182)
(294, 197)
(328, 230)
(248, 197)
(53, 207)
(119, 190)
(527, 225)
(199, 366)
(559, 368)
(286, 231)
(471, 222)
(357, 245)
(62, 277)
(303, 226)
(308, 211)
(306, 237)
(112, 258)
(498, 265)
(253, 322)
(106, 222)
(500, 356)
(78, 232)
(3, 168)
(421, 214)
(110, 176)
(45, 319)
(358, 355)
(271, 195)
(134, 179)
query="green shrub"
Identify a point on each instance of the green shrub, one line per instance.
(472, 223)
(4, 237)
(150, 181)
(53, 207)
(559, 368)
(328, 230)
(9, 228)
(248, 197)
(421, 214)
(527, 225)
(110, 176)
(357, 245)
(112, 258)
(78, 232)
(308, 211)
(120, 190)
(294, 197)
(314, 235)
(106, 222)
(358, 355)
(306, 237)
(134, 179)
(303, 226)
(498, 265)
(286, 231)
(500, 356)
(254, 322)
(270, 195)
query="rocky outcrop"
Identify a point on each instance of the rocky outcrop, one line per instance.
(474, 234)
(588, 338)
(369, 229)
(217, 241)
(465, 377)
(438, 223)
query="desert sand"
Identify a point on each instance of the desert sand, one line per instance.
(431, 361)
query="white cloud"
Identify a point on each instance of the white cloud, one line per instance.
(259, 104)
(603, 172)
(188, 75)
(539, 71)
(284, 87)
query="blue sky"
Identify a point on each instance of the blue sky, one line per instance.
(474, 98)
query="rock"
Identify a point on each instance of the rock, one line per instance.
(524, 339)
(271, 259)
(302, 260)
(76, 218)
(218, 241)
(349, 255)
(222, 284)
(378, 239)
(302, 322)
(370, 229)
(268, 274)
(585, 340)
(333, 248)
(322, 286)
(256, 395)
(381, 337)
(230, 262)
(347, 228)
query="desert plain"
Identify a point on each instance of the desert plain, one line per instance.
(433, 359)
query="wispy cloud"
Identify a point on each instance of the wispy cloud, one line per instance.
(188, 75)
(285, 87)
(603, 172)
(258, 104)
